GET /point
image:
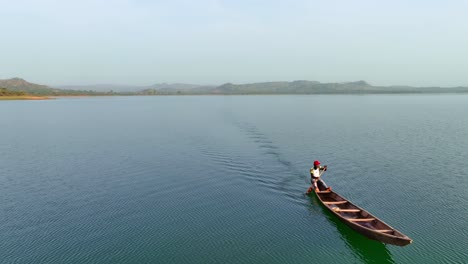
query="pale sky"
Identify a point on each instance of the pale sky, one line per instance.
(141, 42)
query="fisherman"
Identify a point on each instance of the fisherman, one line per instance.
(317, 183)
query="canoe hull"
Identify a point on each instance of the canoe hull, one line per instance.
(377, 236)
(370, 229)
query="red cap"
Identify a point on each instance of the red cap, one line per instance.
(316, 163)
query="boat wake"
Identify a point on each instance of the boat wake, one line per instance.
(287, 177)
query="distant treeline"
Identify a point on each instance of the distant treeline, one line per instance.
(6, 92)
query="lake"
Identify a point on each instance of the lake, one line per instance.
(221, 179)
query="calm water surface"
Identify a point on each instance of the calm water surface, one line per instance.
(221, 179)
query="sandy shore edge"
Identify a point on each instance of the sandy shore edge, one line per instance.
(26, 97)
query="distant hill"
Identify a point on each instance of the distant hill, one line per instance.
(18, 84)
(313, 87)
(294, 87)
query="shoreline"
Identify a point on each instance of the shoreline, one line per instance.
(24, 97)
(53, 97)
(69, 96)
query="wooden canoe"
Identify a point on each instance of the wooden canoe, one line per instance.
(360, 220)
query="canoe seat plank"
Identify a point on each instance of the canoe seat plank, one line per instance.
(348, 210)
(384, 230)
(324, 192)
(361, 219)
(336, 202)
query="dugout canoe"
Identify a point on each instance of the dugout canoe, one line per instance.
(360, 220)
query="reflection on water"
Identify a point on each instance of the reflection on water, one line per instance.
(369, 251)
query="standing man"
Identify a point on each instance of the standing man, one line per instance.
(317, 183)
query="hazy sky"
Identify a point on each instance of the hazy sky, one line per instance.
(212, 42)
